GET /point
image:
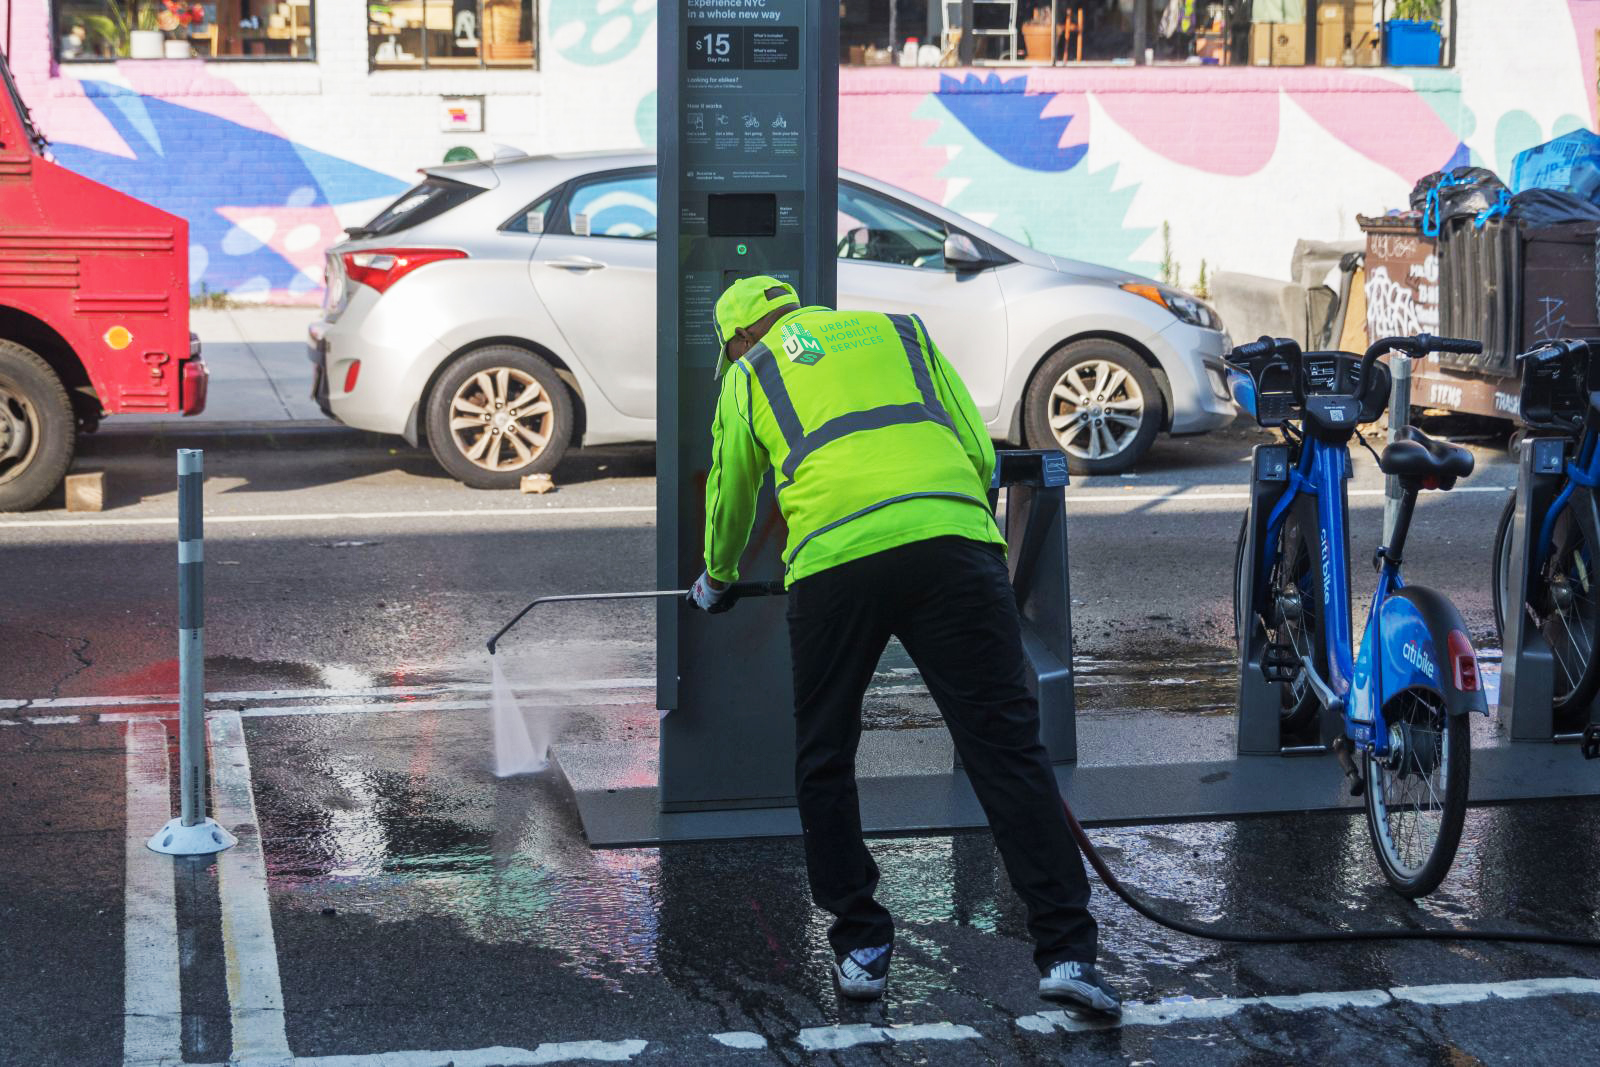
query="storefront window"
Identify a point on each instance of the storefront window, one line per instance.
(1280, 33)
(451, 33)
(180, 29)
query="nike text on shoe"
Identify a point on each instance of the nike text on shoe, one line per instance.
(1079, 984)
(863, 972)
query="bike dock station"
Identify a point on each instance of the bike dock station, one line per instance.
(1527, 684)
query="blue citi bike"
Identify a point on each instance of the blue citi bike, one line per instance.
(1563, 601)
(1393, 712)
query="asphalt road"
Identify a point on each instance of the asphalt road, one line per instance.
(390, 896)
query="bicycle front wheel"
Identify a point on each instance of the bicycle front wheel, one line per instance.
(1417, 793)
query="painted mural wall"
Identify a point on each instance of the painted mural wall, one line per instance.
(268, 161)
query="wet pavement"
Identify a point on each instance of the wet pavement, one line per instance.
(391, 896)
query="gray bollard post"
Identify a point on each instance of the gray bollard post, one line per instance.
(1399, 419)
(192, 833)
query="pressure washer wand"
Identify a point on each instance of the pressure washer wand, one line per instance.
(734, 593)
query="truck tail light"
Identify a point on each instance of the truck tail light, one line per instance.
(380, 268)
(351, 375)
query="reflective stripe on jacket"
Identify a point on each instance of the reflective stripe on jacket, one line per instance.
(873, 440)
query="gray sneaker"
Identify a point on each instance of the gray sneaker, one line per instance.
(863, 973)
(1080, 985)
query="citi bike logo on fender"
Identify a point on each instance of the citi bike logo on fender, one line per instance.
(1412, 653)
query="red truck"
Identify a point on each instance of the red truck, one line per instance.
(94, 309)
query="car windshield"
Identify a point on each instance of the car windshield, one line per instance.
(432, 198)
(873, 227)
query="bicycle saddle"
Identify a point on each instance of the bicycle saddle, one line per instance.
(1418, 456)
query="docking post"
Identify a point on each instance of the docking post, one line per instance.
(1399, 419)
(192, 833)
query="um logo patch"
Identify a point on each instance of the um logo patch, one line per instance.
(800, 345)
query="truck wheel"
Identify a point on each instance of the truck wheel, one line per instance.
(1096, 401)
(498, 414)
(37, 430)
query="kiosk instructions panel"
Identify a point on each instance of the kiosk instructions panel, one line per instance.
(748, 170)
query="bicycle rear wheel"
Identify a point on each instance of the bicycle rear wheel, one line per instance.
(1298, 704)
(1417, 794)
(1568, 608)
(1295, 618)
(1501, 567)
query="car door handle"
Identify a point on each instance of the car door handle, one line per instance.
(578, 263)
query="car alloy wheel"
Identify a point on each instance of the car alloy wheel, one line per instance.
(501, 419)
(1096, 409)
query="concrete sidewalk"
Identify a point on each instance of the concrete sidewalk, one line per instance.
(259, 373)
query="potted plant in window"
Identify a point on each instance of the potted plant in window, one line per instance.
(127, 29)
(175, 18)
(1411, 38)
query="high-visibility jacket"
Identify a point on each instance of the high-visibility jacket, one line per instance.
(873, 440)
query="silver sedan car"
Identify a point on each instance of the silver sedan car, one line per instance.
(504, 311)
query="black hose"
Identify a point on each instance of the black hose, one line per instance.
(1252, 937)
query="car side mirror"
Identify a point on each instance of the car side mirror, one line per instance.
(961, 253)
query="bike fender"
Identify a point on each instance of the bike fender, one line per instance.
(1426, 647)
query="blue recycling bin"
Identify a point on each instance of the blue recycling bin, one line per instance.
(1411, 43)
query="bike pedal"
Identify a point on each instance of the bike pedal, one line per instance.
(1279, 663)
(1591, 742)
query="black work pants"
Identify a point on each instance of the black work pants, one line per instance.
(949, 601)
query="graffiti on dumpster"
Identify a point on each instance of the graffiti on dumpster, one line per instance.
(1391, 307)
(1552, 320)
(1402, 307)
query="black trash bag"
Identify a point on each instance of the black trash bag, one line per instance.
(1469, 176)
(1535, 209)
(1442, 196)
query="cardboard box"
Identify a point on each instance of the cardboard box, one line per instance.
(1345, 33)
(1278, 44)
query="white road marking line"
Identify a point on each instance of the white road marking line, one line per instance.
(833, 1038)
(1178, 496)
(250, 695)
(1513, 990)
(255, 992)
(740, 1039)
(276, 711)
(1181, 496)
(1189, 1009)
(337, 516)
(152, 1012)
(498, 1056)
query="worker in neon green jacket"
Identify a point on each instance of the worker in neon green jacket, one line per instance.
(882, 467)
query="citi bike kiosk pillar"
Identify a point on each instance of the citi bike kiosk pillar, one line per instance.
(748, 184)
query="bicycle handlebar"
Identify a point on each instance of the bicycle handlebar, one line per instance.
(1262, 346)
(1416, 347)
(1551, 351)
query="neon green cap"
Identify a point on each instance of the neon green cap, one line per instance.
(745, 303)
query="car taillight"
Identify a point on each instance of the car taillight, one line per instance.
(380, 268)
(351, 375)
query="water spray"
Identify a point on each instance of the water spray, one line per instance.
(515, 751)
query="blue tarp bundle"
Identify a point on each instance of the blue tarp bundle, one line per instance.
(1568, 164)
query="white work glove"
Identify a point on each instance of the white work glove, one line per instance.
(707, 593)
